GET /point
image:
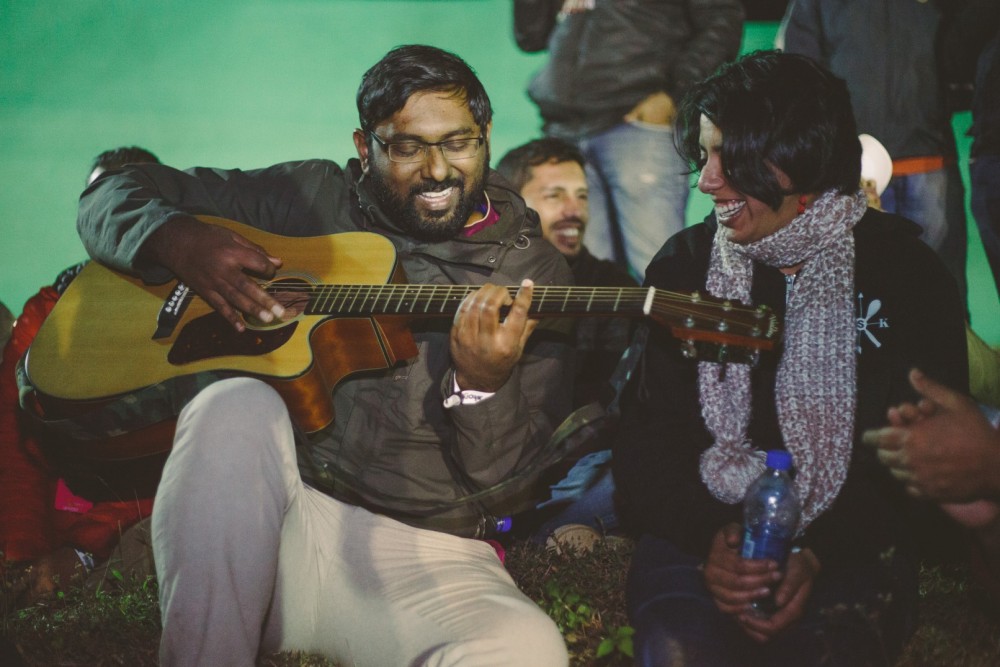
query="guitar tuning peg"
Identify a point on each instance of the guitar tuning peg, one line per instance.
(722, 325)
(695, 297)
(688, 349)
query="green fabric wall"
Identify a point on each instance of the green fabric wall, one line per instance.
(231, 83)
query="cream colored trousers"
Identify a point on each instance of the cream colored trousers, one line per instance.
(251, 560)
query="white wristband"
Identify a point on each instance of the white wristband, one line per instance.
(466, 397)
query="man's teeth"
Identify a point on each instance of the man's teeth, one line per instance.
(570, 232)
(436, 195)
(726, 210)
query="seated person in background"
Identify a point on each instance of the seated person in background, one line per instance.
(945, 449)
(6, 325)
(861, 299)
(549, 174)
(354, 541)
(48, 534)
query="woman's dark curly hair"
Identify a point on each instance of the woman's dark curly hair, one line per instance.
(775, 110)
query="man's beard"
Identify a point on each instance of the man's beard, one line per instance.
(431, 226)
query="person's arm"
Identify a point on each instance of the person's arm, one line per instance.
(527, 373)
(717, 29)
(140, 221)
(533, 23)
(964, 38)
(801, 30)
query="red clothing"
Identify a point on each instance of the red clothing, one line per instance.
(30, 525)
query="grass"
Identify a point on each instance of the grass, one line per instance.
(118, 624)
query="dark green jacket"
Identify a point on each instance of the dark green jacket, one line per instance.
(393, 447)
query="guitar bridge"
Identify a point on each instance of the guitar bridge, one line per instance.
(172, 311)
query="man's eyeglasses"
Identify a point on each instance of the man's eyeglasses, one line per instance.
(416, 151)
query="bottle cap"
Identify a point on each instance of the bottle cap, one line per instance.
(779, 459)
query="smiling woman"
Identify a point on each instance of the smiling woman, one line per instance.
(773, 136)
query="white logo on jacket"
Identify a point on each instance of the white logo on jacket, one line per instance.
(867, 321)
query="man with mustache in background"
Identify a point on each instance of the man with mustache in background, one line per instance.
(549, 174)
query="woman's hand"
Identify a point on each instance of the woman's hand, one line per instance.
(733, 581)
(790, 597)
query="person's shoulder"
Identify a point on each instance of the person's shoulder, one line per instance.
(590, 270)
(888, 246)
(316, 167)
(878, 228)
(684, 251)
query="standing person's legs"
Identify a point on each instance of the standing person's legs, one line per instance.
(217, 522)
(645, 186)
(984, 173)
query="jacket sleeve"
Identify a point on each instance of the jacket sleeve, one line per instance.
(801, 30)
(498, 436)
(717, 28)
(533, 23)
(120, 210)
(964, 38)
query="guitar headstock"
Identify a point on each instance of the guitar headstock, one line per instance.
(714, 329)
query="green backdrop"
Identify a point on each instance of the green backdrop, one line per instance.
(234, 83)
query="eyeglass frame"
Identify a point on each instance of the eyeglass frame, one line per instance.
(425, 146)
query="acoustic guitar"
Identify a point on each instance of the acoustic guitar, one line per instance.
(348, 308)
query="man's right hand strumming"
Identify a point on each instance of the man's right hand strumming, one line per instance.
(219, 265)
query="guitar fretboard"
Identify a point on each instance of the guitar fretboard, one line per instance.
(431, 300)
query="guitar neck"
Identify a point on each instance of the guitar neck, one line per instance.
(444, 300)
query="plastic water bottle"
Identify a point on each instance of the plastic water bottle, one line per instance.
(770, 516)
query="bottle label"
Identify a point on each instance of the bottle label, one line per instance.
(767, 542)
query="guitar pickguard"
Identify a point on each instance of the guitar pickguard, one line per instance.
(211, 336)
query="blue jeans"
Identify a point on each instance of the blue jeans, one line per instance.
(984, 174)
(638, 192)
(585, 495)
(935, 201)
(677, 623)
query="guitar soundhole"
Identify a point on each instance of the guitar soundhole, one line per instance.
(210, 336)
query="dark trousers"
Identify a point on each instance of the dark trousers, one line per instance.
(855, 616)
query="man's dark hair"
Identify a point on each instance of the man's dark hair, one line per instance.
(416, 68)
(777, 109)
(516, 165)
(117, 158)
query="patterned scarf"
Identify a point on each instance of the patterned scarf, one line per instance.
(815, 388)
